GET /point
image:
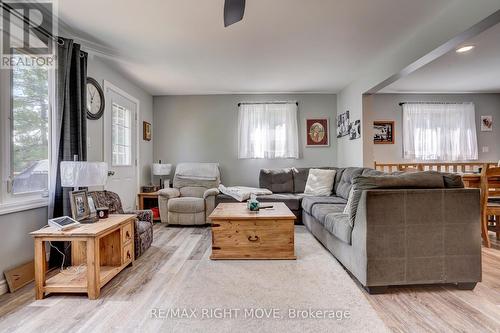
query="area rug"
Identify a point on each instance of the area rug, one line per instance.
(311, 294)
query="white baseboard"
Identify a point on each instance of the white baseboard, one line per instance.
(3, 287)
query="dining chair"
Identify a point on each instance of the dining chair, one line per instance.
(490, 201)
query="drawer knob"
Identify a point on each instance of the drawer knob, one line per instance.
(253, 238)
(127, 234)
(128, 254)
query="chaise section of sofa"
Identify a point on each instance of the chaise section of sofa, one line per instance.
(404, 236)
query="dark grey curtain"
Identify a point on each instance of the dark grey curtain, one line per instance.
(71, 126)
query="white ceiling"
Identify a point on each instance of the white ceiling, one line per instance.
(476, 71)
(182, 47)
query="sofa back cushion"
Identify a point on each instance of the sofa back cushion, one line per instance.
(409, 180)
(276, 180)
(343, 182)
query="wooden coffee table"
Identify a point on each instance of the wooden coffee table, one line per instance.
(238, 233)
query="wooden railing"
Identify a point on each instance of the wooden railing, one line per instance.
(461, 167)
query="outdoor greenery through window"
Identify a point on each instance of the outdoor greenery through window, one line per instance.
(29, 129)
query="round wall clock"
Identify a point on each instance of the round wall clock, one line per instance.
(95, 99)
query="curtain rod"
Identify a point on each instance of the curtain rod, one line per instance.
(403, 103)
(291, 102)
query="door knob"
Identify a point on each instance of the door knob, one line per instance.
(111, 173)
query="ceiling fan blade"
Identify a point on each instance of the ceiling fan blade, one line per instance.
(233, 11)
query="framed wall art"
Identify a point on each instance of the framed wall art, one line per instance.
(383, 132)
(146, 131)
(317, 132)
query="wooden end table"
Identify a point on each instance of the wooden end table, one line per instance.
(238, 233)
(145, 196)
(99, 251)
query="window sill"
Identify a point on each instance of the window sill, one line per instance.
(14, 207)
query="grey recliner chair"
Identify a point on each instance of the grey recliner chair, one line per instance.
(192, 198)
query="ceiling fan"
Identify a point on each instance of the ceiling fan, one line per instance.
(233, 11)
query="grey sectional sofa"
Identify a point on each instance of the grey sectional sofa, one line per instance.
(420, 228)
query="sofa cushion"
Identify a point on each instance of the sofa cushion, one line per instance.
(422, 180)
(344, 183)
(186, 205)
(300, 178)
(320, 211)
(320, 182)
(291, 200)
(309, 202)
(338, 225)
(276, 180)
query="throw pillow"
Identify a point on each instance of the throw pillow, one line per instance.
(347, 209)
(320, 182)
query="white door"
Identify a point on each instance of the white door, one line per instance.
(120, 144)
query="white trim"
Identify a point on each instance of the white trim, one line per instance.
(110, 86)
(4, 289)
(19, 206)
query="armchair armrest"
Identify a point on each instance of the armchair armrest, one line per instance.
(169, 193)
(143, 215)
(210, 192)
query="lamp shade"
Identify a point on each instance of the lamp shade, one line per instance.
(161, 169)
(83, 174)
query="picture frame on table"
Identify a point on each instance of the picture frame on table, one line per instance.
(79, 205)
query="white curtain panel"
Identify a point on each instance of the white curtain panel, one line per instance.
(268, 131)
(439, 132)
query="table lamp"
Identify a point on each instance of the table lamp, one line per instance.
(160, 169)
(83, 174)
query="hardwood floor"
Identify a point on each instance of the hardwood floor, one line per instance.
(175, 255)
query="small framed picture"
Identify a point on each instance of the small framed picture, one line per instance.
(317, 132)
(355, 130)
(79, 205)
(383, 132)
(146, 131)
(486, 123)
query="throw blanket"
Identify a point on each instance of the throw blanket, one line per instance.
(242, 193)
(199, 171)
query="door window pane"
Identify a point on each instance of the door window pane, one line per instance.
(121, 135)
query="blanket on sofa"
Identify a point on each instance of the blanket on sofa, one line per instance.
(243, 193)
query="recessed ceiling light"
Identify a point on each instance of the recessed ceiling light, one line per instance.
(465, 48)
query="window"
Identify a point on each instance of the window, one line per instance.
(268, 130)
(25, 132)
(439, 132)
(121, 135)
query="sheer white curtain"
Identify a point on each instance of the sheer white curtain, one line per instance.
(268, 130)
(439, 132)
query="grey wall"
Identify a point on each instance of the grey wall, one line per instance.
(204, 129)
(102, 70)
(385, 107)
(16, 245)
